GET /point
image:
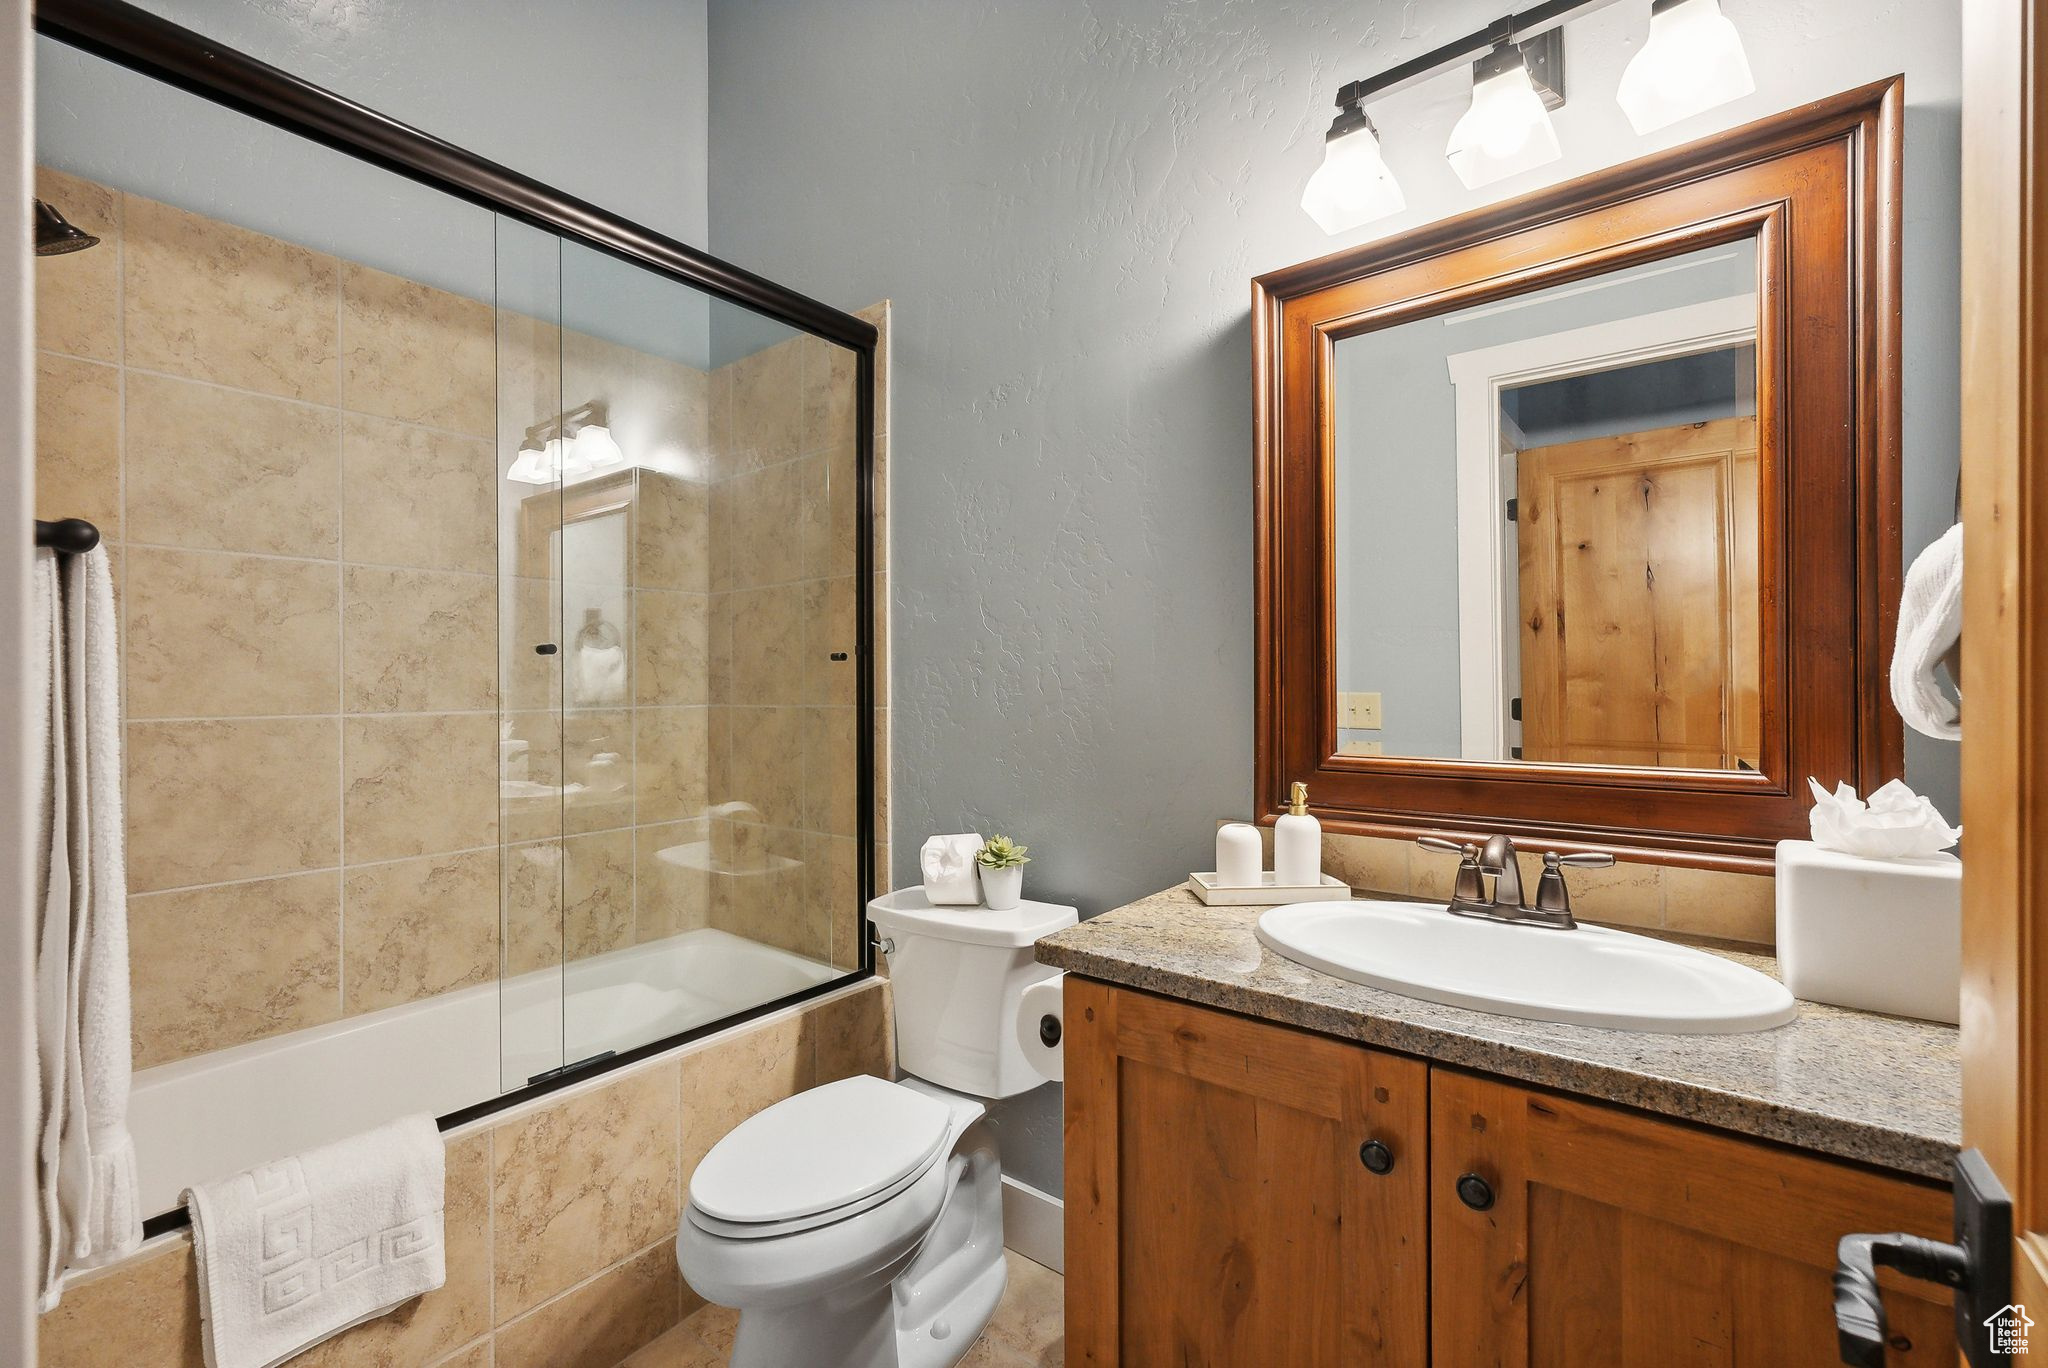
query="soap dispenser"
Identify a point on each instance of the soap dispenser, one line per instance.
(1297, 844)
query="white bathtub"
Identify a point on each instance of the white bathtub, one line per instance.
(220, 1113)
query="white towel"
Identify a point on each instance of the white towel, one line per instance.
(1930, 625)
(294, 1252)
(85, 1156)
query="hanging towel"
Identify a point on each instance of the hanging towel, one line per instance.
(1930, 625)
(294, 1252)
(85, 1166)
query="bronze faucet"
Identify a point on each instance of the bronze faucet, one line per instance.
(1496, 862)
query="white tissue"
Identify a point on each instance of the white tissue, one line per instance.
(950, 878)
(1896, 824)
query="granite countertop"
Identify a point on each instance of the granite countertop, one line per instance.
(1883, 1090)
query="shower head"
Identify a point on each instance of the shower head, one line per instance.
(57, 235)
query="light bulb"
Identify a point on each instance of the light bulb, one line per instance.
(1353, 185)
(596, 447)
(1692, 62)
(1507, 130)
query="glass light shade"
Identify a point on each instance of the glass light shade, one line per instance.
(1506, 131)
(531, 466)
(1353, 185)
(1692, 62)
(565, 459)
(597, 448)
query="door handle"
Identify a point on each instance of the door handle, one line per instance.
(1978, 1265)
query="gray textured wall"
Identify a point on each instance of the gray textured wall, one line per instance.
(608, 101)
(1066, 200)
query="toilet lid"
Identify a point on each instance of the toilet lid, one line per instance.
(820, 1150)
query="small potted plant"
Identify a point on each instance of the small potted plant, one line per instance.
(1002, 863)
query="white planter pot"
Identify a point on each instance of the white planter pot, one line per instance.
(1001, 888)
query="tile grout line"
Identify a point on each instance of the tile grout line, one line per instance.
(201, 382)
(173, 547)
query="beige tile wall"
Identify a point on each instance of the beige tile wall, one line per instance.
(262, 431)
(328, 594)
(1694, 902)
(783, 578)
(560, 1218)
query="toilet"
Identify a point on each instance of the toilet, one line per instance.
(860, 1224)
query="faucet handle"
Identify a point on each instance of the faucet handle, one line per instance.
(1551, 893)
(1587, 859)
(1468, 888)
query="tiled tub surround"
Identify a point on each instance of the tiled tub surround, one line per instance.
(561, 1215)
(293, 460)
(1883, 1090)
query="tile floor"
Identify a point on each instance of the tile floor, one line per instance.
(1028, 1331)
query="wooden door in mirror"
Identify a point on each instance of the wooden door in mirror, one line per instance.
(1578, 515)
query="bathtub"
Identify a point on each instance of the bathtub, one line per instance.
(219, 1113)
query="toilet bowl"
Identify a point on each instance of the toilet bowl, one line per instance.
(859, 1224)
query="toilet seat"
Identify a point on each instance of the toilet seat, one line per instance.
(819, 1157)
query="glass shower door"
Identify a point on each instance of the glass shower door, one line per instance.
(532, 774)
(679, 522)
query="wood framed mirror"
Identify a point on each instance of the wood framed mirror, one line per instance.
(1578, 515)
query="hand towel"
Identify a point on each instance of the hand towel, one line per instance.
(294, 1252)
(1930, 625)
(86, 1157)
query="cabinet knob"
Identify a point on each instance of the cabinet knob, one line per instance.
(1376, 1157)
(1475, 1192)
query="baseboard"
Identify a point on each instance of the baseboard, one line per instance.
(1035, 1224)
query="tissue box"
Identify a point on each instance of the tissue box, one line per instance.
(1880, 935)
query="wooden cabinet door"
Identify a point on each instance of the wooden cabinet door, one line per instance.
(1616, 1240)
(1219, 1212)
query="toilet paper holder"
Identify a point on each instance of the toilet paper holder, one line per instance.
(1049, 1030)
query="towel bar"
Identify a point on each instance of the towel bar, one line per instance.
(67, 534)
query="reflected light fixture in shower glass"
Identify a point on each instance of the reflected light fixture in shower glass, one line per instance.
(1692, 62)
(57, 235)
(596, 447)
(1353, 185)
(1507, 130)
(530, 466)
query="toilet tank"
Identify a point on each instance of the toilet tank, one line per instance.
(957, 974)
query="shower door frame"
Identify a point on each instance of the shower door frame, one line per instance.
(155, 47)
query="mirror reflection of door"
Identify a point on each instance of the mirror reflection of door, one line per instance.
(1637, 578)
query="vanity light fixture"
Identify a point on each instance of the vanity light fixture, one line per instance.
(1353, 185)
(1507, 130)
(569, 444)
(1692, 62)
(1518, 66)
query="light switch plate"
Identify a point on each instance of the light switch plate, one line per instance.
(1359, 710)
(1361, 748)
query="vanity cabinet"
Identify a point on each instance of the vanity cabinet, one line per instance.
(1571, 1232)
(1242, 1193)
(1220, 1207)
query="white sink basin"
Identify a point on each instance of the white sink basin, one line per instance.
(1588, 977)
